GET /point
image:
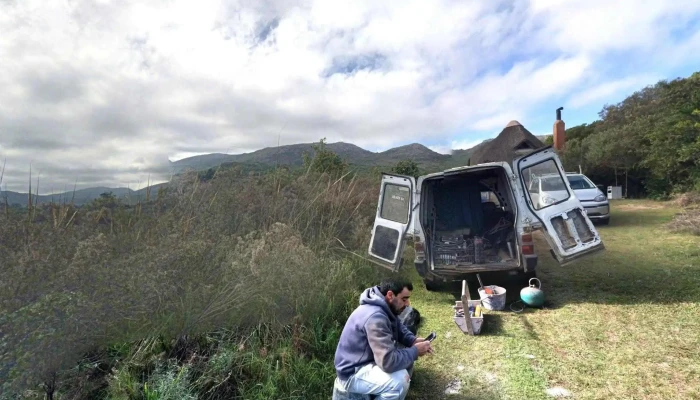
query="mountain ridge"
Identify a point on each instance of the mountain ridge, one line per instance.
(292, 155)
(286, 155)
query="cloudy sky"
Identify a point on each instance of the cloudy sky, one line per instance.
(100, 92)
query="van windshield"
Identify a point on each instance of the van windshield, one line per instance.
(579, 182)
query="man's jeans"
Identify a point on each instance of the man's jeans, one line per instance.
(370, 379)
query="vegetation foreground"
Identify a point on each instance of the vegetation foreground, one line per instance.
(236, 286)
(223, 286)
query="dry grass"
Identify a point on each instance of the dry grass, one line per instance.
(687, 200)
(236, 252)
(688, 219)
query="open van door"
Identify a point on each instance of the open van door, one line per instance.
(394, 214)
(567, 228)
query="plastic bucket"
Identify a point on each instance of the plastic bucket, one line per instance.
(495, 301)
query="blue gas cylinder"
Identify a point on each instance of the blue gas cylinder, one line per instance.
(531, 295)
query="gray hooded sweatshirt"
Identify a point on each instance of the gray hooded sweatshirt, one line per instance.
(371, 334)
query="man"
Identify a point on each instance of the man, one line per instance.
(376, 351)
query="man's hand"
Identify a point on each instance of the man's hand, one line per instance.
(418, 340)
(423, 348)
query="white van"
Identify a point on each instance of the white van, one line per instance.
(479, 219)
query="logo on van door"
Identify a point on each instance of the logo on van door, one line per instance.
(400, 198)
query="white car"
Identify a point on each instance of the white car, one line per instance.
(548, 189)
(593, 199)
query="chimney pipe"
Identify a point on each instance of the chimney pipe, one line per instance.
(558, 133)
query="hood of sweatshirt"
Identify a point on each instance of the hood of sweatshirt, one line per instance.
(374, 297)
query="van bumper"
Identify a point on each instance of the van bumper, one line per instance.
(423, 269)
(597, 211)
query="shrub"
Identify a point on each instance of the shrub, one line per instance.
(688, 220)
(325, 161)
(406, 167)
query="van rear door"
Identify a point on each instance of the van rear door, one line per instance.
(393, 218)
(567, 228)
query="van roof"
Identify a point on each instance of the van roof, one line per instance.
(477, 166)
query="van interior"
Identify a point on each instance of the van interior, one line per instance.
(469, 221)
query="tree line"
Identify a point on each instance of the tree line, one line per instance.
(649, 143)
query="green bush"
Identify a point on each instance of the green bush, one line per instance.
(325, 161)
(406, 167)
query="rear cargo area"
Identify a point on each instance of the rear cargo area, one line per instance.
(469, 222)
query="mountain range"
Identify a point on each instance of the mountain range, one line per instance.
(289, 155)
(292, 155)
(77, 197)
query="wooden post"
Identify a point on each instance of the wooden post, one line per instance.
(465, 306)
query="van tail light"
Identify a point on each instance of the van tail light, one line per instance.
(419, 246)
(527, 246)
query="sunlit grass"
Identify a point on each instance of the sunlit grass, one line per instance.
(620, 325)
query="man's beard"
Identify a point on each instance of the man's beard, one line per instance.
(395, 309)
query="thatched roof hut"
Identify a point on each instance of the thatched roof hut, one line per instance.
(513, 141)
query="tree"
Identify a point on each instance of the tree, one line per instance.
(206, 176)
(406, 167)
(581, 132)
(324, 160)
(106, 200)
(652, 136)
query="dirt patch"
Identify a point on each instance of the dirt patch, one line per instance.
(634, 207)
(454, 387)
(558, 392)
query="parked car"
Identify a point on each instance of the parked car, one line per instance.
(548, 189)
(593, 199)
(480, 218)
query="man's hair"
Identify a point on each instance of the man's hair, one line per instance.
(395, 285)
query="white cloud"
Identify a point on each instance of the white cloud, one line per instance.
(600, 26)
(465, 144)
(441, 149)
(107, 92)
(455, 145)
(607, 90)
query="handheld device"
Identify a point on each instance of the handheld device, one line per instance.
(431, 337)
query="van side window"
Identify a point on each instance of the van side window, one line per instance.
(395, 203)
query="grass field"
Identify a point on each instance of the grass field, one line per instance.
(624, 324)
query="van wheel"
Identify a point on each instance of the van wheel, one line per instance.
(526, 276)
(433, 285)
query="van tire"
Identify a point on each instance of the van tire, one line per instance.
(433, 285)
(524, 277)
